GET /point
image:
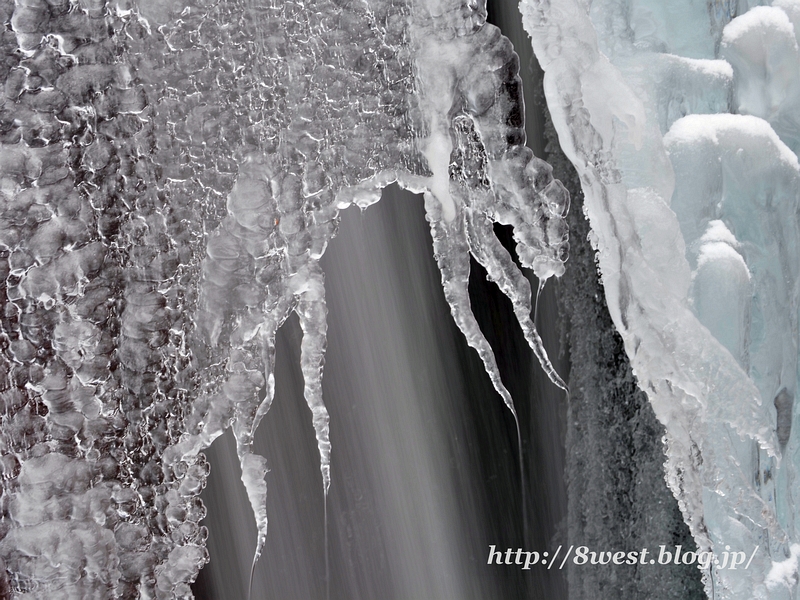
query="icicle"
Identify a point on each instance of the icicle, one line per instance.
(180, 271)
(452, 255)
(254, 471)
(254, 467)
(536, 302)
(490, 253)
(312, 312)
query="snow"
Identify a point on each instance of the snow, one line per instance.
(761, 45)
(720, 252)
(718, 232)
(792, 10)
(744, 129)
(759, 21)
(784, 573)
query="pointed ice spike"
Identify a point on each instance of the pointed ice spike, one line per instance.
(452, 256)
(452, 252)
(254, 467)
(254, 471)
(312, 311)
(536, 303)
(269, 331)
(490, 253)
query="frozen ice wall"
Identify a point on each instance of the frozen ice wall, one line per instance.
(170, 175)
(681, 119)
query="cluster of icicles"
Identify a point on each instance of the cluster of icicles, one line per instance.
(170, 177)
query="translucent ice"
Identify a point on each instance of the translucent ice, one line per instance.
(684, 144)
(170, 175)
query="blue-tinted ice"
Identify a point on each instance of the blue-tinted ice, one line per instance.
(681, 118)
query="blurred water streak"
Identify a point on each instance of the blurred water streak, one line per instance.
(424, 465)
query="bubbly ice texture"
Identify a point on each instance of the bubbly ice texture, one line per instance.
(680, 118)
(170, 175)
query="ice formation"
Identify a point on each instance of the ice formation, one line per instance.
(681, 118)
(170, 175)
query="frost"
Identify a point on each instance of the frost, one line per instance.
(170, 176)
